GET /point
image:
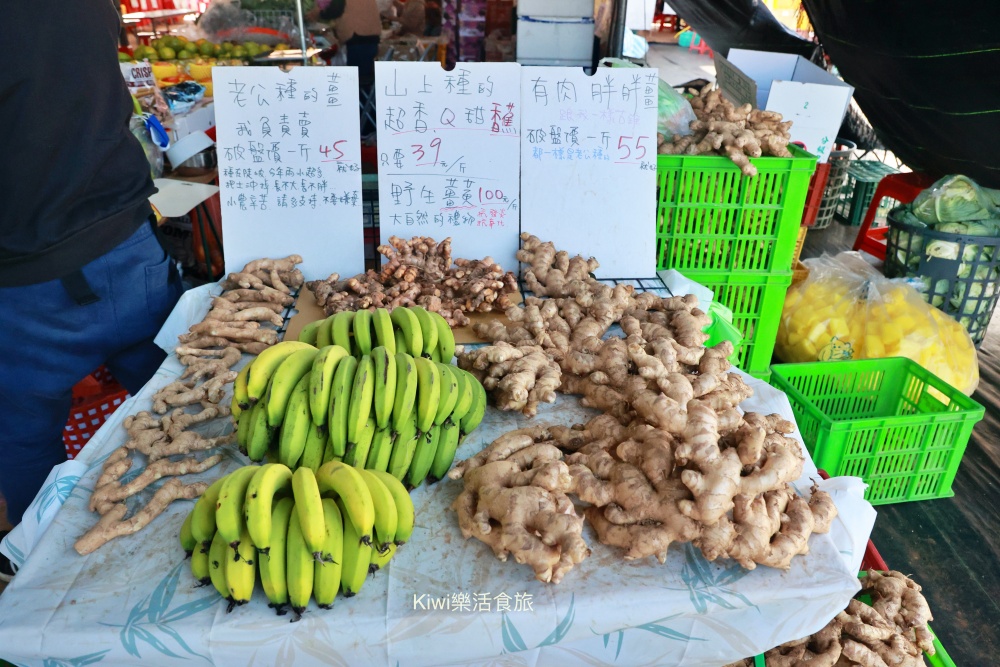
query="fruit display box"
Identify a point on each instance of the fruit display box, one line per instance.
(888, 421)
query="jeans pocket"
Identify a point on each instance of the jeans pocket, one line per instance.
(163, 288)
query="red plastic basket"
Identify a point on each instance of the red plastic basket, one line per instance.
(95, 398)
(814, 195)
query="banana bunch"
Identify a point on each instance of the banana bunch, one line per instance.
(306, 534)
(398, 412)
(413, 330)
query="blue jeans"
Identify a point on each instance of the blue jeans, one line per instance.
(48, 343)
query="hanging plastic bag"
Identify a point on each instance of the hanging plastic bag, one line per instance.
(847, 310)
(953, 199)
(674, 113)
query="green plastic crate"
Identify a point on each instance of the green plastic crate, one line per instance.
(888, 421)
(711, 217)
(863, 177)
(756, 302)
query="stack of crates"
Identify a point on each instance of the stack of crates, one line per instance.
(735, 235)
(863, 176)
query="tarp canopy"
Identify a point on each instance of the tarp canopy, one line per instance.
(740, 24)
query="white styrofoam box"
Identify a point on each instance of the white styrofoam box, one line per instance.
(639, 14)
(199, 119)
(554, 41)
(574, 9)
(809, 96)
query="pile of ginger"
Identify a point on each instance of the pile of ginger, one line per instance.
(671, 458)
(421, 272)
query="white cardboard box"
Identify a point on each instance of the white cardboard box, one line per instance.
(555, 41)
(812, 98)
(199, 119)
(574, 9)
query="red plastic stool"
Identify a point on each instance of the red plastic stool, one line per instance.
(904, 188)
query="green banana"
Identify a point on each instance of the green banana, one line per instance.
(380, 559)
(199, 566)
(310, 332)
(474, 416)
(241, 399)
(229, 519)
(343, 384)
(428, 393)
(386, 516)
(445, 453)
(356, 558)
(321, 381)
(400, 341)
(298, 365)
(435, 356)
(217, 567)
(362, 327)
(309, 507)
(446, 338)
(403, 503)
(428, 329)
(466, 394)
(384, 332)
(267, 362)
(243, 422)
(312, 455)
(272, 563)
(423, 456)
(449, 393)
(188, 543)
(357, 452)
(241, 568)
(324, 332)
(260, 435)
(299, 565)
(404, 448)
(381, 450)
(362, 393)
(385, 385)
(347, 484)
(270, 480)
(327, 572)
(405, 398)
(406, 321)
(203, 513)
(340, 330)
(295, 426)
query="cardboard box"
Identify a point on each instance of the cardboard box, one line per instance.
(199, 119)
(812, 98)
(573, 9)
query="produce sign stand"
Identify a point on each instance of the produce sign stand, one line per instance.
(137, 600)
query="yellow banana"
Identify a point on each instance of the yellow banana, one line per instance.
(444, 455)
(357, 452)
(324, 332)
(423, 456)
(270, 480)
(296, 366)
(310, 332)
(312, 455)
(362, 327)
(428, 393)
(403, 448)
(188, 543)
(241, 568)
(406, 321)
(385, 385)
(229, 520)
(386, 517)
(340, 402)
(272, 563)
(356, 558)
(327, 572)
(474, 417)
(241, 399)
(405, 398)
(449, 393)
(203, 513)
(466, 394)
(384, 332)
(217, 556)
(381, 450)
(340, 330)
(321, 381)
(260, 435)
(267, 362)
(362, 392)
(296, 425)
(380, 559)
(199, 565)
(299, 565)
(404, 506)
(446, 338)
(309, 507)
(345, 482)
(428, 329)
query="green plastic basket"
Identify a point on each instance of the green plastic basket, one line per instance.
(756, 302)
(863, 177)
(711, 217)
(888, 421)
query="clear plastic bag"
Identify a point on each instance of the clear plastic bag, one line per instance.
(953, 199)
(154, 154)
(846, 309)
(674, 112)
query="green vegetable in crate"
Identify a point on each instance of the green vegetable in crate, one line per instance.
(953, 199)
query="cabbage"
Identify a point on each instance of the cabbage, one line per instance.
(943, 249)
(953, 199)
(953, 228)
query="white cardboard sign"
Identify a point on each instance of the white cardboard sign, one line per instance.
(449, 149)
(588, 164)
(289, 148)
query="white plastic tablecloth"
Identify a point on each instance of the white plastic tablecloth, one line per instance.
(442, 601)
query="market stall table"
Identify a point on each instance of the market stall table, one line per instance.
(443, 600)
